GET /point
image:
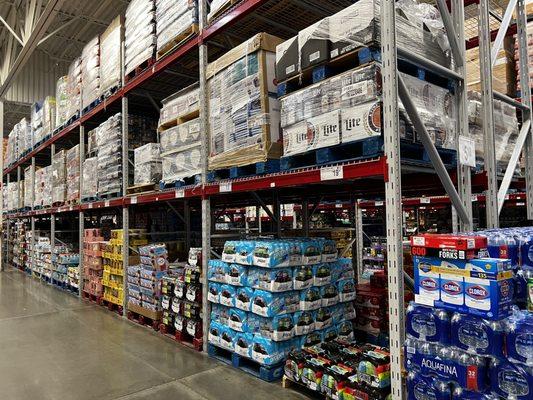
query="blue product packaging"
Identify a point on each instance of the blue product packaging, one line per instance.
(244, 344)
(520, 338)
(213, 295)
(328, 250)
(304, 322)
(237, 275)
(295, 252)
(282, 327)
(345, 331)
(227, 338)
(511, 381)
(526, 250)
(427, 281)
(330, 295)
(346, 290)
(323, 318)
(428, 324)
(310, 299)
(230, 251)
(337, 313)
(260, 326)
(243, 301)
(271, 254)
(268, 304)
(215, 312)
(311, 252)
(503, 245)
(292, 301)
(272, 280)
(520, 287)
(227, 295)
(342, 269)
(215, 331)
(268, 352)
(302, 277)
(427, 388)
(462, 394)
(347, 310)
(476, 335)
(330, 333)
(238, 320)
(311, 339)
(216, 271)
(244, 251)
(321, 274)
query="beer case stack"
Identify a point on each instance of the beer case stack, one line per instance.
(175, 21)
(243, 109)
(73, 174)
(59, 175)
(140, 33)
(179, 133)
(92, 262)
(90, 72)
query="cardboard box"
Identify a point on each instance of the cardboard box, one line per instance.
(314, 44)
(287, 59)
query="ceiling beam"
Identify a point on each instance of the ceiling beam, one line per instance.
(38, 32)
(11, 30)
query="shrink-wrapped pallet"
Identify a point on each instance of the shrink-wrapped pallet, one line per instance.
(62, 101)
(140, 38)
(90, 72)
(182, 163)
(180, 136)
(243, 109)
(74, 88)
(73, 174)
(47, 186)
(109, 155)
(59, 175)
(179, 107)
(110, 55)
(90, 178)
(175, 21)
(147, 160)
(29, 184)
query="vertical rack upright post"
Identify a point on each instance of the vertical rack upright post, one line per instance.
(81, 215)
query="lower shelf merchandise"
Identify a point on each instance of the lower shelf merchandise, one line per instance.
(65, 268)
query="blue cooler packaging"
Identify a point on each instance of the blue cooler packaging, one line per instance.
(227, 295)
(311, 251)
(427, 388)
(238, 320)
(271, 279)
(342, 269)
(477, 336)
(227, 338)
(237, 275)
(230, 251)
(243, 301)
(302, 277)
(215, 331)
(428, 324)
(328, 249)
(243, 344)
(345, 331)
(268, 304)
(291, 301)
(511, 380)
(304, 322)
(520, 338)
(268, 352)
(213, 295)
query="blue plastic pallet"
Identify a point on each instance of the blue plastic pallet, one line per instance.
(179, 183)
(265, 372)
(260, 168)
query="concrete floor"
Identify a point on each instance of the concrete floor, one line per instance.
(55, 346)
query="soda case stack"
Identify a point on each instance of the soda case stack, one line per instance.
(342, 370)
(174, 21)
(464, 338)
(110, 55)
(90, 72)
(271, 296)
(72, 162)
(92, 262)
(64, 260)
(144, 281)
(179, 134)
(59, 177)
(147, 164)
(109, 150)
(140, 37)
(62, 101)
(181, 299)
(74, 88)
(371, 308)
(113, 275)
(243, 108)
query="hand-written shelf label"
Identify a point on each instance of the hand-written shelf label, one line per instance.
(331, 173)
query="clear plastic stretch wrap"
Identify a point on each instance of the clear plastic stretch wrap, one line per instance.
(59, 177)
(73, 173)
(49, 115)
(62, 101)
(347, 107)
(37, 121)
(147, 164)
(182, 163)
(38, 189)
(47, 186)
(90, 178)
(110, 48)
(419, 30)
(173, 19)
(243, 109)
(140, 37)
(216, 6)
(90, 72)
(505, 128)
(91, 143)
(19, 141)
(29, 183)
(12, 193)
(109, 153)
(74, 87)
(179, 105)
(180, 136)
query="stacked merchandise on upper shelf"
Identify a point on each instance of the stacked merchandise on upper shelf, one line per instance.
(14, 193)
(59, 178)
(217, 7)
(109, 150)
(181, 300)
(20, 141)
(29, 183)
(243, 109)
(147, 164)
(20, 246)
(179, 133)
(110, 56)
(92, 263)
(65, 264)
(43, 187)
(465, 334)
(529, 59)
(144, 282)
(74, 89)
(43, 119)
(140, 38)
(175, 21)
(72, 164)
(272, 296)
(90, 73)
(62, 101)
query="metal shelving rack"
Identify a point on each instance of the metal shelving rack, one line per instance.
(355, 180)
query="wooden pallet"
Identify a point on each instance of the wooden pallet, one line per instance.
(222, 10)
(142, 188)
(259, 168)
(288, 383)
(180, 120)
(177, 41)
(139, 69)
(117, 308)
(144, 320)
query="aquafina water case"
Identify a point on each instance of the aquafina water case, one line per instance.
(502, 244)
(520, 338)
(426, 388)
(462, 394)
(428, 324)
(476, 335)
(511, 381)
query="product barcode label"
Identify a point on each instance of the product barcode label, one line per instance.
(290, 69)
(331, 173)
(180, 193)
(314, 56)
(224, 187)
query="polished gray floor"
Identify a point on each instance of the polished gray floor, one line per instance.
(54, 346)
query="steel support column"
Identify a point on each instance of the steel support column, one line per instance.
(305, 217)
(391, 137)
(125, 210)
(359, 240)
(81, 215)
(52, 216)
(2, 205)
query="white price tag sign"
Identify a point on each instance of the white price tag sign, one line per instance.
(467, 151)
(378, 203)
(224, 187)
(425, 200)
(338, 205)
(106, 203)
(180, 193)
(331, 173)
(474, 197)
(133, 200)
(90, 205)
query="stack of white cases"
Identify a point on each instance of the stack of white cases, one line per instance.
(140, 37)
(90, 72)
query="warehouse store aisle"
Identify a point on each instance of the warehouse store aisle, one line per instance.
(54, 346)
